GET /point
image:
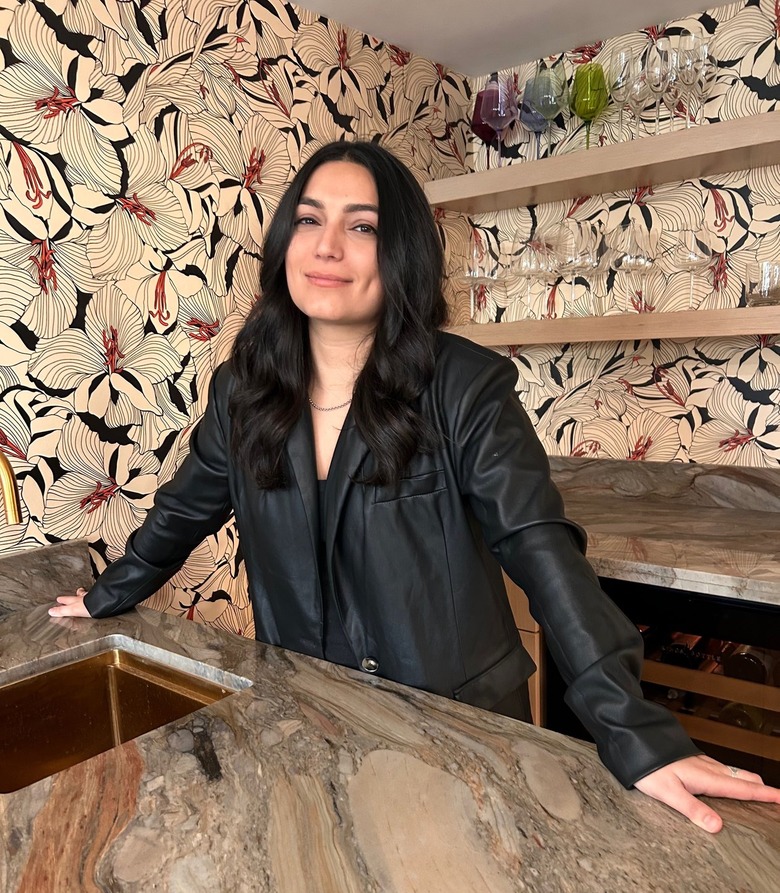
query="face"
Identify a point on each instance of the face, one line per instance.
(331, 262)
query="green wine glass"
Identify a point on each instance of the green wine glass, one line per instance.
(589, 94)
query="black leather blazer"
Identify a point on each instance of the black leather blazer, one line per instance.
(415, 567)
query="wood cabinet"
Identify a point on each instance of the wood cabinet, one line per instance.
(741, 144)
(533, 641)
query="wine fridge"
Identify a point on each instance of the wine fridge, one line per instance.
(714, 662)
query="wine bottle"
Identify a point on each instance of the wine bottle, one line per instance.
(681, 651)
(751, 663)
(744, 716)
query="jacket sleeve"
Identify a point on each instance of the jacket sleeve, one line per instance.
(504, 474)
(194, 504)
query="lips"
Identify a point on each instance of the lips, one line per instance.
(326, 280)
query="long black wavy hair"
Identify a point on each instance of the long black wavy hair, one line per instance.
(271, 356)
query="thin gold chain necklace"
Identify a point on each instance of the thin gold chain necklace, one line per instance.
(329, 408)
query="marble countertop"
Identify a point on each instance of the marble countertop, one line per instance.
(734, 553)
(318, 778)
(708, 529)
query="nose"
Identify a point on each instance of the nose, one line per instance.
(329, 243)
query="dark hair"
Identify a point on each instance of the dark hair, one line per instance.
(271, 356)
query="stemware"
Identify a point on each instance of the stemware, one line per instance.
(531, 116)
(620, 73)
(708, 72)
(638, 93)
(689, 54)
(631, 254)
(576, 247)
(545, 92)
(762, 283)
(658, 70)
(498, 108)
(589, 94)
(673, 92)
(482, 269)
(531, 261)
(691, 252)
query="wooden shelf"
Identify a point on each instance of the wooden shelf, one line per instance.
(699, 152)
(683, 326)
(727, 688)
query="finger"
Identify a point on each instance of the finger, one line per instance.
(675, 796)
(738, 788)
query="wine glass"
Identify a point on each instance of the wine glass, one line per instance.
(631, 254)
(531, 261)
(577, 249)
(620, 69)
(482, 269)
(688, 67)
(498, 108)
(638, 93)
(691, 252)
(658, 68)
(708, 73)
(673, 92)
(589, 94)
(530, 114)
(545, 92)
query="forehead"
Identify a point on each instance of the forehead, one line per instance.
(342, 183)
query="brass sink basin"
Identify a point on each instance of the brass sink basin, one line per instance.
(61, 715)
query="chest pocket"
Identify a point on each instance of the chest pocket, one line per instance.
(423, 484)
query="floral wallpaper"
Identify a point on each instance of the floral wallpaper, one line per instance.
(710, 400)
(144, 146)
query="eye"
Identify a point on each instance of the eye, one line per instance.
(306, 220)
(366, 228)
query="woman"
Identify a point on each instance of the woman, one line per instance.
(380, 470)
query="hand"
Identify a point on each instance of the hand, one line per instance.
(677, 784)
(70, 605)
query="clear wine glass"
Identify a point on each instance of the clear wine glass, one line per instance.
(708, 73)
(658, 69)
(499, 107)
(482, 269)
(691, 252)
(531, 261)
(631, 254)
(546, 93)
(688, 67)
(620, 73)
(576, 247)
(589, 94)
(673, 92)
(638, 93)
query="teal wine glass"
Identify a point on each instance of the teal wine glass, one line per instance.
(589, 94)
(545, 93)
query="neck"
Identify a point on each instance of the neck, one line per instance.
(338, 355)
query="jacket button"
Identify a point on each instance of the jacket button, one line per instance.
(370, 664)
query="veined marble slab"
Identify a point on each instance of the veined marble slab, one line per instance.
(326, 780)
(708, 529)
(37, 575)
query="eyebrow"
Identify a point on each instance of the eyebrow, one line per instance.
(350, 209)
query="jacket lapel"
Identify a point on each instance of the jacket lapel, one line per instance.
(300, 453)
(347, 460)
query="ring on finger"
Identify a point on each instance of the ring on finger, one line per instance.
(733, 770)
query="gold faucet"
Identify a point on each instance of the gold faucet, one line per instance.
(8, 492)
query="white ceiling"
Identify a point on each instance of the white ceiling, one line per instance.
(475, 37)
